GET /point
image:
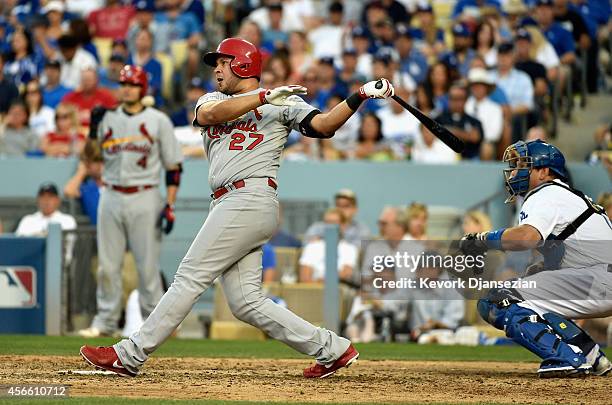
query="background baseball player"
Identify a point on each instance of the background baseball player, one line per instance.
(137, 143)
(575, 279)
(244, 129)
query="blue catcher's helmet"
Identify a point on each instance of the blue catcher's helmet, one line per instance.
(524, 156)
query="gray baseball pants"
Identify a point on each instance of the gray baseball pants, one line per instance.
(229, 246)
(127, 220)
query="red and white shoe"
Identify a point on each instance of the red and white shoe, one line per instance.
(105, 358)
(321, 370)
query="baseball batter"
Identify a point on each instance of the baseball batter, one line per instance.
(137, 143)
(575, 279)
(244, 128)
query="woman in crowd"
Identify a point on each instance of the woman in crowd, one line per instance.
(65, 140)
(300, 58)
(21, 62)
(437, 84)
(485, 39)
(42, 117)
(370, 142)
(16, 138)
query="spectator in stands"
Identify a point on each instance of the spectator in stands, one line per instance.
(524, 62)
(371, 143)
(120, 47)
(399, 127)
(361, 43)
(605, 200)
(274, 37)
(518, 88)
(463, 7)
(184, 116)
(144, 58)
(65, 140)
(296, 16)
(183, 25)
(484, 43)
(87, 182)
(21, 63)
(416, 220)
(437, 84)
(109, 77)
(280, 67)
(354, 231)
(268, 264)
(251, 32)
(536, 132)
(16, 138)
(385, 65)
(8, 89)
(432, 309)
(463, 125)
(299, 55)
(53, 91)
(326, 40)
(429, 149)
(462, 54)
(48, 211)
(42, 117)
(603, 146)
(312, 260)
(145, 19)
(476, 222)
(345, 139)
(54, 13)
(559, 37)
(348, 72)
(391, 8)
(489, 113)
(74, 60)
(89, 96)
(111, 21)
(411, 60)
(429, 38)
(383, 34)
(79, 29)
(282, 238)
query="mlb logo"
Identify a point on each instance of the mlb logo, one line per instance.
(17, 287)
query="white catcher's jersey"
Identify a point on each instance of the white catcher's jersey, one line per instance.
(137, 146)
(552, 208)
(251, 145)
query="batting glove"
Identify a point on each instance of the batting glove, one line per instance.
(167, 218)
(381, 88)
(280, 95)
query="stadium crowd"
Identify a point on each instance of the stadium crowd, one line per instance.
(489, 70)
(493, 71)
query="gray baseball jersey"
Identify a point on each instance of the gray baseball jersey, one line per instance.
(251, 145)
(137, 147)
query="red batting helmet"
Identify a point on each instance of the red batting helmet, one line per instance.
(246, 59)
(134, 75)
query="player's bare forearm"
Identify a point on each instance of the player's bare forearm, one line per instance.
(171, 194)
(218, 112)
(327, 123)
(521, 237)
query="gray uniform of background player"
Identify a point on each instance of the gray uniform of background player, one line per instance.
(135, 148)
(229, 243)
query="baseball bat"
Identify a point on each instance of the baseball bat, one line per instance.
(433, 126)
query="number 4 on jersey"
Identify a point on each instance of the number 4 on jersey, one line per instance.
(239, 138)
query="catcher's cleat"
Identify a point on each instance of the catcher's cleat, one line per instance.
(321, 370)
(562, 369)
(105, 358)
(602, 365)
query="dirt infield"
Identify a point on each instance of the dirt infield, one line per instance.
(280, 380)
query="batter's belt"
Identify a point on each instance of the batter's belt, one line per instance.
(236, 185)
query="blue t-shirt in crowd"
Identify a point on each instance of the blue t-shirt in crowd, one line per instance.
(560, 38)
(54, 96)
(90, 197)
(182, 27)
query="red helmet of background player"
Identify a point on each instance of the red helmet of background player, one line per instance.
(246, 59)
(134, 75)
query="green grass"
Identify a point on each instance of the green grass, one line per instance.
(69, 345)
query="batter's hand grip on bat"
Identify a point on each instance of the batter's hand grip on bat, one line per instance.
(433, 126)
